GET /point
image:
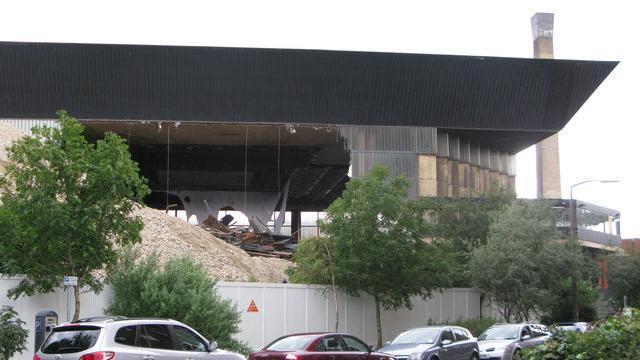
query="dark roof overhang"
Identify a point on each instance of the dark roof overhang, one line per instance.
(508, 102)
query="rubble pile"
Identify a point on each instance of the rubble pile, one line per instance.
(255, 240)
(170, 237)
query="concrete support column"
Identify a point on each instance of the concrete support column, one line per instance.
(548, 168)
(512, 183)
(494, 178)
(442, 164)
(464, 179)
(427, 175)
(296, 225)
(475, 179)
(454, 178)
(472, 180)
(504, 180)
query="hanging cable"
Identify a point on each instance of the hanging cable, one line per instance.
(246, 140)
(167, 191)
(279, 188)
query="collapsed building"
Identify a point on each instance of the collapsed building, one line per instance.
(264, 130)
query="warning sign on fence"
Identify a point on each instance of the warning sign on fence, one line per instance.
(252, 307)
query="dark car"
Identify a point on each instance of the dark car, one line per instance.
(318, 346)
(433, 343)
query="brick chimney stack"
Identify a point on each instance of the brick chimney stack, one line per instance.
(548, 150)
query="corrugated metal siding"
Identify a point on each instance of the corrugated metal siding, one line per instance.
(26, 125)
(454, 147)
(443, 144)
(188, 83)
(494, 160)
(394, 147)
(382, 138)
(474, 155)
(484, 157)
(465, 151)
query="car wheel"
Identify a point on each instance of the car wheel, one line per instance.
(475, 357)
(517, 355)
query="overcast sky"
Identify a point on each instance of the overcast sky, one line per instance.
(600, 142)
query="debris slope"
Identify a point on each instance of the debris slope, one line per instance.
(170, 237)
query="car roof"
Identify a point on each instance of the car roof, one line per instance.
(439, 327)
(318, 333)
(102, 321)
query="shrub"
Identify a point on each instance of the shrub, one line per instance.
(13, 337)
(180, 290)
(617, 338)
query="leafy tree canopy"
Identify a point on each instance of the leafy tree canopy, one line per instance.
(379, 249)
(523, 263)
(65, 203)
(463, 223)
(623, 276)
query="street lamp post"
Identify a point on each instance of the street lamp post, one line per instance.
(573, 236)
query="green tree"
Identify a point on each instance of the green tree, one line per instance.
(377, 232)
(66, 203)
(562, 308)
(513, 266)
(180, 290)
(314, 265)
(463, 223)
(623, 276)
(13, 337)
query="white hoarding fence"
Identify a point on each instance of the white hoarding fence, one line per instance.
(272, 310)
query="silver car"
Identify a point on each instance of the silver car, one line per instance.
(433, 343)
(506, 341)
(129, 339)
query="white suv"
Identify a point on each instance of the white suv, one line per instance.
(119, 338)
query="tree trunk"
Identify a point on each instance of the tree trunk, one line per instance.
(574, 293)
(76, 294)
(333, 285)
(378, 325)
(335, 301)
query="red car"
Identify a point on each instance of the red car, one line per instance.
(318, 346)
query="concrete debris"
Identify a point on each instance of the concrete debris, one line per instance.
(255, 240)
(170, 236)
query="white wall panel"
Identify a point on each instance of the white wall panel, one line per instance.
(282, 309)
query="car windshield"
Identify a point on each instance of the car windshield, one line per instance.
(289, 343)
(502, 332)
(417, 336)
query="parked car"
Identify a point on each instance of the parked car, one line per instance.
(573, 326)
(433, 343)
(121, 338)
(506, 341)
(318, 346)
